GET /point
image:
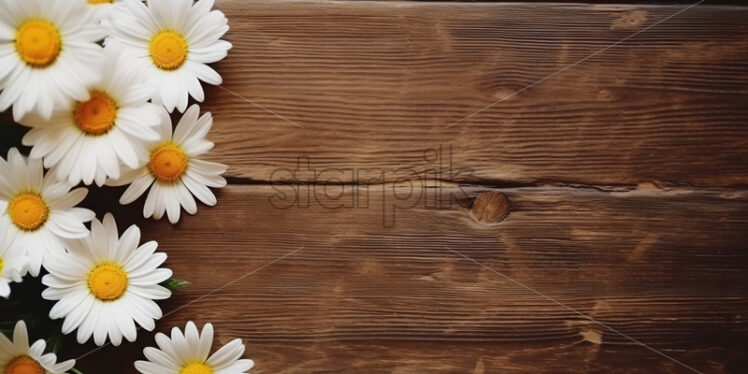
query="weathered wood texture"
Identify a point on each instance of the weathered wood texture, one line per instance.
(375, 83)
(624, 179)
(666, 268)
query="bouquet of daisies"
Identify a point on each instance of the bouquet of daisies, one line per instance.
(97, 83)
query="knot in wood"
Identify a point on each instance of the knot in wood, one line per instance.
(490, 207)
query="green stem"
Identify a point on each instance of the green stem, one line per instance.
(75, 371)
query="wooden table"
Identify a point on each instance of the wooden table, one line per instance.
(500, 188)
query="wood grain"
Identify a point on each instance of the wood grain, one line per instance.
(375, 83)
(664, 267)
(613, 188)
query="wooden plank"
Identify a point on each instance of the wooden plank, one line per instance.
(624, 179)
(445, 357)
(375, 83)
(664, 267)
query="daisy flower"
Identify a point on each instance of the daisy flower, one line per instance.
(38, 210)
(172, 41)
(173, 171)
(188, 354)
(87, 140)
(13, 263)
(47, 51)
(106, 283)
(17, 357)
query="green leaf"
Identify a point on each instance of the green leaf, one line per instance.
(54, 342)
(174, 284)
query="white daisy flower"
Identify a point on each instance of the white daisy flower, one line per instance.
(48, 52)
(173, 170)
(13, 262)
(38, 210)
(106, 283)
(172, 41)
(17, 357)
(188, 354)
(87, 141)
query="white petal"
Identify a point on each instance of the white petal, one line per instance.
(227, 354)
(199, 190)
(240, 366)
(21, 335)
(66, 225)
(206, 340)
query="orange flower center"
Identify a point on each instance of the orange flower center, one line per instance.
(38, 43)
(168, 162)
(96, 116)
(197, 368)
(28, 211)
(24, 365)
(107, 281)
(168, 50)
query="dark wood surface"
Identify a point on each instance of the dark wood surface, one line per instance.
(602, 207)
(664, 267)
(375, 83)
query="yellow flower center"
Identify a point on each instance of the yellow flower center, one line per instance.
(97, 2)
(168, 162)
(1, 265)
(197, 368)
(28, 211)
(168, 50)
(24, 365)
(38, 43)
(96, 116)
(107, 281)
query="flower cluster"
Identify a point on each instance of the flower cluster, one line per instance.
(97, 82)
